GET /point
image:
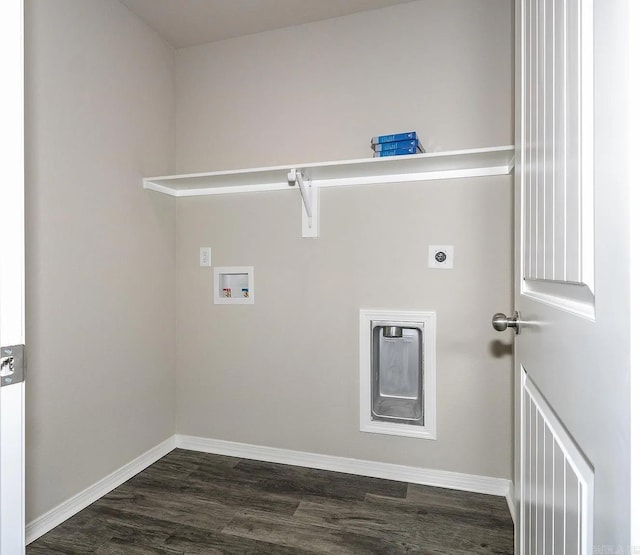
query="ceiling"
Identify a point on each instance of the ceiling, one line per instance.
(191, 22)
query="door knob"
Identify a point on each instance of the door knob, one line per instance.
(501, 322)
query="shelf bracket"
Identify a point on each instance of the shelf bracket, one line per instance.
(309, 196)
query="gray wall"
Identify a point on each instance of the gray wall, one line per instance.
(100, 250)
(319, 92)
(284, 372)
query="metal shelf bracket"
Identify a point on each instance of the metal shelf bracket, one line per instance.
(309, 196)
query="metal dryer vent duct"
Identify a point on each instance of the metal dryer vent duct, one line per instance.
(392, 331)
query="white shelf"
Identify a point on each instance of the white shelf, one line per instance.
(419, 167)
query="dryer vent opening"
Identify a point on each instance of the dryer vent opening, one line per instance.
(397, 373)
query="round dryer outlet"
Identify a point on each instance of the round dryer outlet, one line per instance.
(441, 257)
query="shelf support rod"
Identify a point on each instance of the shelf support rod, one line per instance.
(309, 201)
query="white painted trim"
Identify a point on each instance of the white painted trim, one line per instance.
(576, 298)
(511, 503)
(68, 508)
(427, 321)
(388, 471)
(12, 282)
(633, 147)
(12, 464)
(587, 193)
(513, 500)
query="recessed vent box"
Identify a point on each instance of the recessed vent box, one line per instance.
(397, 373)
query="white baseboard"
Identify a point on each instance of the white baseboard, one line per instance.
(415, 475)
(389, 471)
(68, 508)
(511, 502)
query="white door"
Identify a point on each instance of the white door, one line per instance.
(11, 280)
(572, 278)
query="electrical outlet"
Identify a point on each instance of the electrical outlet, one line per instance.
(205, 256)
(441, 257)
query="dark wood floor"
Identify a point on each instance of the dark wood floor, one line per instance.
(190, 502)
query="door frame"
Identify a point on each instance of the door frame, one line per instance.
(517, 270)
(633, 144)
(12, 283)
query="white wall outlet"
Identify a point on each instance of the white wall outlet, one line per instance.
(441, 257)
(205, 257)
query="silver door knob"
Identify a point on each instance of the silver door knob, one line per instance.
(501, 322)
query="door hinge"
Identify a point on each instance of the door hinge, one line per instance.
(12, 365)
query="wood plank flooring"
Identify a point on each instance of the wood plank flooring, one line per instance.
(197, 503)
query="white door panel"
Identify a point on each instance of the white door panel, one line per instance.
(572, 433)
(557, 132)
(557, 485)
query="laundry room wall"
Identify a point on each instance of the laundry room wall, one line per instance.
(100, 253)
(283, 372)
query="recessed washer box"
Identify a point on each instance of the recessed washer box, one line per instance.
(233, 285)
